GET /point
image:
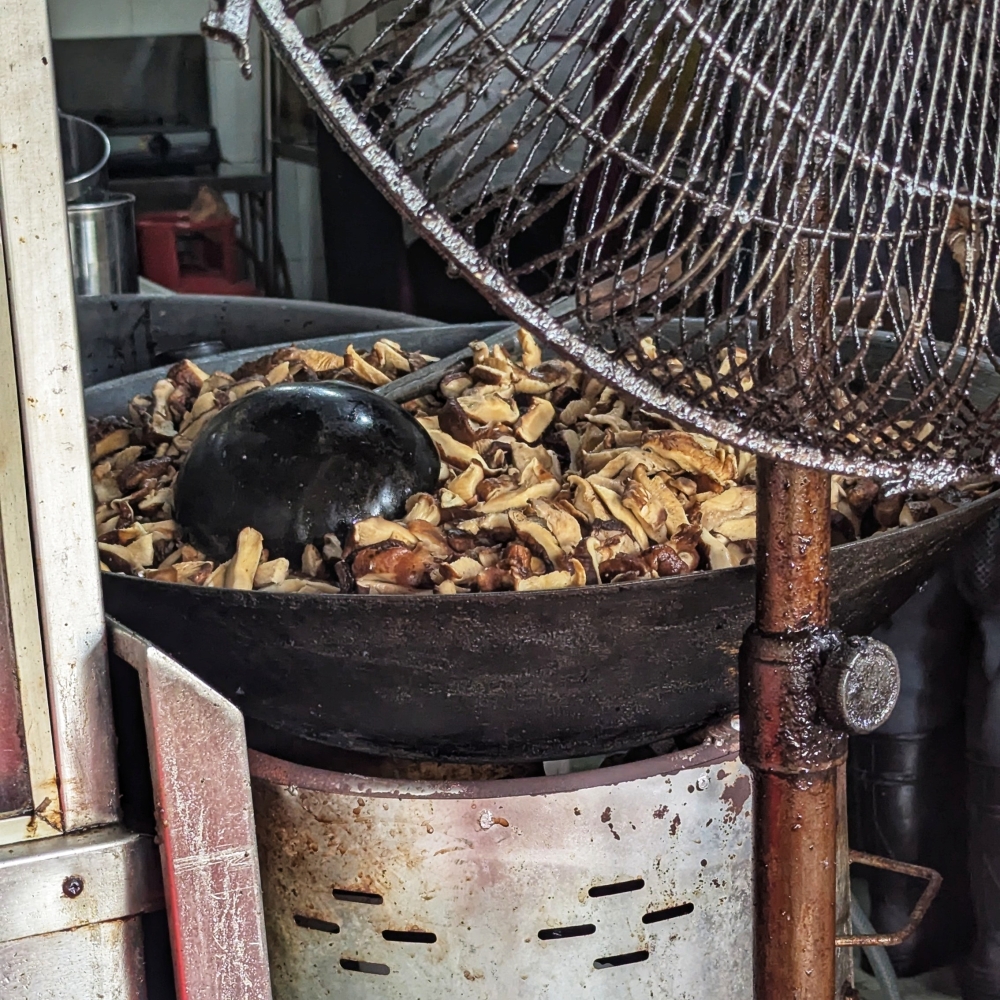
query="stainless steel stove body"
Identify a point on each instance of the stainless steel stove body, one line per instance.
(625, 882)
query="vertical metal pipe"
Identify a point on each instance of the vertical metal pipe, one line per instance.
(844, 956)
(795, 886)
(793, 555)
(270, 168)
(795, 800)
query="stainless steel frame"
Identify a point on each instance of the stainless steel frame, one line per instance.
(208, 847)
(80, 879)
(43, 320)
(68, 916)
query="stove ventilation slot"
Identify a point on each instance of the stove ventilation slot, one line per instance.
(315, 924)
(555, 933)
(374, 968)
(668, 914)
(613, 888)
(350, 896)
(419, 937)
(613, 961)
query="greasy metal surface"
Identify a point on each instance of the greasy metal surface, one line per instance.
(597, 168)
(783, 729)
(122, 334)
(794, 753)
(80, 878)
(931, 877)
(512, 676)
(793, 520)
(99, 962)
(42, 308)
(795, 851)
(859, 685)
(482, 877)
(208, 852)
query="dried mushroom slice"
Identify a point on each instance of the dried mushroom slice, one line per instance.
(731, 504)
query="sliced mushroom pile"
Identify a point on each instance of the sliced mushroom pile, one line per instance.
(549, 479)
(134, 461)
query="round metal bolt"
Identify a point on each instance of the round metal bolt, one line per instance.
(72, 886)
(702, 783)
(858, 687)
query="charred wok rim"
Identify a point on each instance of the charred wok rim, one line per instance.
(237, 596)
(265, 767)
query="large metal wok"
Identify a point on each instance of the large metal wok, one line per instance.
(492, 677)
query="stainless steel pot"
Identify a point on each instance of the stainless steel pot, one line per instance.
(102, 244)
(85, 153)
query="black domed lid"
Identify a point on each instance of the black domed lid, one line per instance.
(298, 460)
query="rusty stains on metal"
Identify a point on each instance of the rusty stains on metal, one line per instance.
(793, 752)
(659, 812)
(487, 820)
(675, 824)
(795, 867)
(484, 893)
(793, 523)
(736, 794)
(606, 819)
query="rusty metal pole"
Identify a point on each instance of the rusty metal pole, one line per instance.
(792, 749)
(794, 754)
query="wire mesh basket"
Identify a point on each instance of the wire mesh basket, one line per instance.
(736, 212)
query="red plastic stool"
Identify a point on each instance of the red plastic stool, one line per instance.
(200, 258)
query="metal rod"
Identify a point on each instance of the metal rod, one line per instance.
(270, 167)
(933, 880)
(795, 803)
(793, 533)
(795, 886)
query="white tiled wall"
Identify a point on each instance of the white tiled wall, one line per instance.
(111, 18)
(299, 227)
(235, 109)
(235, 102)
(236, 106)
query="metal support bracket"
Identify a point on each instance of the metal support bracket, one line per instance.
(933, 880)
(79, 879)
(204, 814)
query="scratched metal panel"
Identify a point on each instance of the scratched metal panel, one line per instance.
(15, 781)
(485, 868)
(96, 962)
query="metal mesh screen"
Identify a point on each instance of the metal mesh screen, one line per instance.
(978, 566)
(735, 211)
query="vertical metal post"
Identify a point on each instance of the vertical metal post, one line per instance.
(269, 166)
(793, 755)
(43, 313)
